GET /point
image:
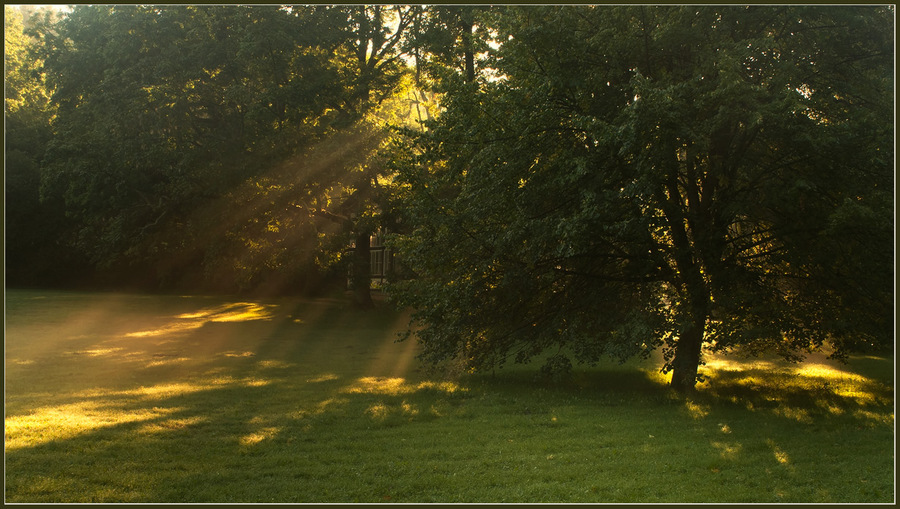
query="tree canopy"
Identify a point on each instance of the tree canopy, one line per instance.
(627, 178)
(186, 137)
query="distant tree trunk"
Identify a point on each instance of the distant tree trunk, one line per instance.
(687, 356)
(361, 279)
(468, 51)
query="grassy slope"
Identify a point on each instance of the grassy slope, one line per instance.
(127, 398)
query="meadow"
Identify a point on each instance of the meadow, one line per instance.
(150, 398)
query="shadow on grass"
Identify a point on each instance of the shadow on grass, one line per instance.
(305, 402)
(206, 401)
(216, 439)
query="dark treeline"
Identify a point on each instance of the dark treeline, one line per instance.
(589, 181)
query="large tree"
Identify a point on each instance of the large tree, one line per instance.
(178, 143)
(643, 177)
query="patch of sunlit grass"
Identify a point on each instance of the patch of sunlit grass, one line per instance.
(169, 425)
(274, 364)
(165, 362)
(232, 312)
(225, 313)
(727, 450)
(64, 422)
(97, 352)
(395, 386)
(259, 435)
(800, 392)
(238, 354)
(697, 411)
(173, 328)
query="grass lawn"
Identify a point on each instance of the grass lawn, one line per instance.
(131, 398)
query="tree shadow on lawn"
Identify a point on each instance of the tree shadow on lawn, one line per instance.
(221, 403)
(216, 439)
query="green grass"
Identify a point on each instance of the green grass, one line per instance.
(130, 398)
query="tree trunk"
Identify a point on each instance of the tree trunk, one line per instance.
(687, 356)
(361, 278)
(468, 51)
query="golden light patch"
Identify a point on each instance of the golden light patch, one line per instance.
(833, 409)
(238, 354)
(259, 435)
(234, 312)
(379, 385)
(326, 405)
(168, 329)
(880, 418)
(722, 364)
(862, 397)
(409, 409)
(272, 364)
(797, 414)
(96, 352)
(828, 372)
(697, 411)
(163, 362)
(780, 455)
(377, 411)
(727, 451)
(173, 389)
(396, 386)
(169, 425)
(323, 378)
(66, 421)
(154, 391)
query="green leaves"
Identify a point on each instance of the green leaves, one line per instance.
(641, 172)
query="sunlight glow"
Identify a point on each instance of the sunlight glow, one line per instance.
(796, 414)
(169, 329)
(727, 451)
(170, 425)
(773, 382)
(879, 418)
(697, 411)
(233, 312)
(96, 352)
(233, 353)
(259, 435)
(63, 422)
(166, 362)
(396, 386)
(829, 372)
(101, 408)
(274, 364)
(780, 456)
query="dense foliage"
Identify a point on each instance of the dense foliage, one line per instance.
(634, 177)
(598, 181)
(194, 145)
